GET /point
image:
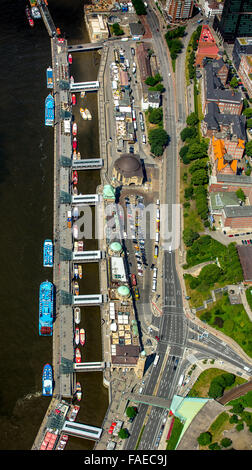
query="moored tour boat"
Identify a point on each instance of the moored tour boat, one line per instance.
(80, 271)
(73, 100)
(89, 116)
(75, 190)
(74, 155)
(28, 14)
(74, 128)
(80, 245)
(75, 246)
(35, 13)
(82, 95)
(78, 156)
(76, 272)
(83, 114)
(77, 355)
(82, 336)
(62, 442)
(47, 381)
(75, 213)
(75, 231)
(74, 143)
(78, 391)
(76, 288)
(77, 336)
(77, 315)
(75, 177)
(73, 413)
(70, 59)
(71, 79)
(48, 253)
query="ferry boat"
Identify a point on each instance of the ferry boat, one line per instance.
(74, 155)
(75, 246)
(74, 128)
(70, 59)
(80, 271)
(46, 299)
(71, 79)
(74, 143)
(80, 245)
(35, 13)
(73, 413)
(48, 254)
(49, 110)
(28, 14)
(73, 99)
(47, 381)
(75, 191)
(78, 391)
(77, 336)
(75, 213)
(78, 156)
(76, 288)
(75, 177)
(89, 116)
(76, 272)
(49, 77)
(82, 95)
(77, 355)
(83, 114)
(62, 442)
(77, 315)
(82, 336)
(75, 231)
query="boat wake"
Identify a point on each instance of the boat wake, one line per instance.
(29, 396)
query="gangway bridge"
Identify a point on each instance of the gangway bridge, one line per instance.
(84, 86)
(89, 299)
(87, 256)
(89, 366)
(49, 24)
(89, 46)
(82, 430)
(88, 199)
(87, 164)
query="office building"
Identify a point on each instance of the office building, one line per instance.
(179, 10)
(235, 20)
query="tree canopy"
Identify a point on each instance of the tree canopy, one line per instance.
(158, 138)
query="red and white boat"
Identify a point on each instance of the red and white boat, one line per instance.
(73, 100)
(77, 336)
(28, 14)
(80, 245)
(82, 336)
(75, 177)
(74, 128)
(78, 391)
(74, 143)
(71, 79)
(77, 355)
(73, 413)
(70, 59)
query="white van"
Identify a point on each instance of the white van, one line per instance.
(154, 285)
(144, 139)
(158, 202)
(157, 237)
(155, 273)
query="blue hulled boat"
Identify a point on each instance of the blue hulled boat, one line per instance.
(48, 254)
(46, 309)
(47, 381)
(49, 77)
(49, 110)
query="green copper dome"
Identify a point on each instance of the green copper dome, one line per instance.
(123, 291)
(115, 246)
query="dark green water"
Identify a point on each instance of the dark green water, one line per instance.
(26, 195)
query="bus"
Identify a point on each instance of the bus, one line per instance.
(156, 360)
(180, 380)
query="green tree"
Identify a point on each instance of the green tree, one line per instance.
(229, 379)
(156, 115)
(199, 177)
(210, 273)
(197, 150)
(215, 390)
(158, 138)
(247, 112)
(226, 442)
(131, 412)
(237, 408)
(248, 148)
(240, 194)
(192, 119)
(189, 236)
(214, 446)
(117, 30)
(249, 124)
(239, 427)
(204, 438)
(234, 82)
(188, 133)
(233, 419)
(123, 433)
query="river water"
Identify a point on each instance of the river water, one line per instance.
(26, 195)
